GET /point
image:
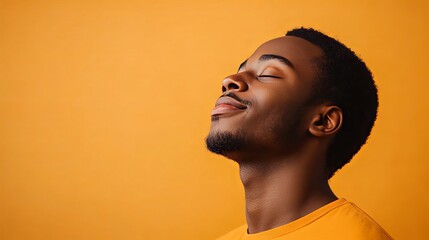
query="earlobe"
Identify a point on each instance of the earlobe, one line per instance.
(327, 122)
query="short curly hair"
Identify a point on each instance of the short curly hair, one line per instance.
(345, 80)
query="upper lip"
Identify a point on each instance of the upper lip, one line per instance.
(230, 101)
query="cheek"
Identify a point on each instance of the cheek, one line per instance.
(278, 108)
(275, 102)
(267, 111)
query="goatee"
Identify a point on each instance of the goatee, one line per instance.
(226, 142)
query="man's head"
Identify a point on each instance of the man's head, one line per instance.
(304, 87)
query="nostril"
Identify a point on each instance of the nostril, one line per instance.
(233, 86)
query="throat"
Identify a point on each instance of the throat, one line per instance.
(279, 194)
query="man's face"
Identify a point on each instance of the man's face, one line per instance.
(264, 106)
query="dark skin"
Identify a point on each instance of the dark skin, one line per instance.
(282, 166)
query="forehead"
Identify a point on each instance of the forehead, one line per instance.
(301, 53)
(291, 47)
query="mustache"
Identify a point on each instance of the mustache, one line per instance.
(234, 96)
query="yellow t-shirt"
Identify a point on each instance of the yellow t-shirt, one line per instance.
(338, 220)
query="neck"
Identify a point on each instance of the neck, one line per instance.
(282, 190)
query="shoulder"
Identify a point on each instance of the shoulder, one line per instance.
(235, 234)
(351, 220)
(339, 220)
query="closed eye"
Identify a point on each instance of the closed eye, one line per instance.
(268, 76)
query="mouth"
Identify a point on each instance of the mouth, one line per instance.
(228, 104)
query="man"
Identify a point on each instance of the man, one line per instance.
(298, 109)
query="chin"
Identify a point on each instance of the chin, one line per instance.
(226, 143)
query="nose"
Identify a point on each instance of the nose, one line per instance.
(233, 83)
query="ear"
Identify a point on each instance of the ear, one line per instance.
(327, 121)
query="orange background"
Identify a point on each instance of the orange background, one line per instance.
(104, 107)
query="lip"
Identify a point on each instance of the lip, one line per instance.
(227, 105)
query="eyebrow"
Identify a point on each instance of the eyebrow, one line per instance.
(283, 60)
(267, 57)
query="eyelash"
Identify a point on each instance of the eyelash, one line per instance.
(271, 76)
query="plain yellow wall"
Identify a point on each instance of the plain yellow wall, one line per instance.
(104, 107)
